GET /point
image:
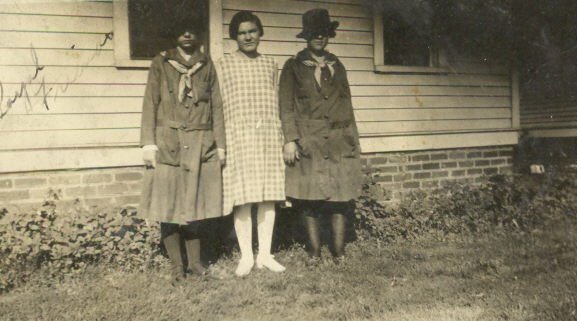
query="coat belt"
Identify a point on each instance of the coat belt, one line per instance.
(324, 123)
(190, 126)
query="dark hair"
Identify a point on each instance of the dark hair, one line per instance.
(240, 17)
(179, 26)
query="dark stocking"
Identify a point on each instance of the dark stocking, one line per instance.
(338, 223)
(170, 234)
(313, 231)
(192, 244)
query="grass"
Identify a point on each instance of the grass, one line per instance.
(502, 276)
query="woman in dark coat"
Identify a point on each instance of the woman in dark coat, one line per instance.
(321, 138)
(183, 146)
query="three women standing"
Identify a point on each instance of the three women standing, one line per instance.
(183, 143)
(254, 173)
(321, 138)
(185, 125)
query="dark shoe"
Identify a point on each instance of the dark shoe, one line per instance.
(339, 260)
(197, 270)
(313, 261)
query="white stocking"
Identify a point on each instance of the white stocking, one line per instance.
(243, 228)
(265, 217)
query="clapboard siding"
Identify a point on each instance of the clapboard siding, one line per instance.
(548, 112)
(94, 108)
(296, 7)
(79, 59)
(426, 126)
(548, 101)
(72, 9)
(46, 23)
(70, 158)
(69, 138)
(90, 74)
(281, 47)
(42, 40)
(137, 90)
(281, 19)
(289, 34)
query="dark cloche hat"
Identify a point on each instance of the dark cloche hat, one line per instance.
(179, 26)
(318, 21)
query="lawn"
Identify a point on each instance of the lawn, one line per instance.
(501, 275)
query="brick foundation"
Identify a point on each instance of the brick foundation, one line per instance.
(398, 173)
(395, 173)
(95, 187)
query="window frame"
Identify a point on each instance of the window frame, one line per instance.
(438, 55)
(121, 36)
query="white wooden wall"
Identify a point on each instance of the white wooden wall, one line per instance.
(94, 108)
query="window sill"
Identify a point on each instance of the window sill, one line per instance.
(129, 63)
(389, 69)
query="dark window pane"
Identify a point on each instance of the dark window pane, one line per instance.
(404, 45)
(148, 19)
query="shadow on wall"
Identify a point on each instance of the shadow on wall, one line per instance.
(550, 152)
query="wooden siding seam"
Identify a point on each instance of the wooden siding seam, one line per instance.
(53, 15)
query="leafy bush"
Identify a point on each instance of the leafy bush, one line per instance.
(62, 242)
(510, 202)
(65, 242)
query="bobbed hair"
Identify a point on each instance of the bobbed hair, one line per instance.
(240, 17)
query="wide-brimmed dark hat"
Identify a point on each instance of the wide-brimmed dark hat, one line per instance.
(318, 22)
(179, 26)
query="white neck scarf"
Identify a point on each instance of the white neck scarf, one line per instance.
(318, 65)
(185, 78)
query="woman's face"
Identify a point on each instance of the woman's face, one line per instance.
(248, 37)
(188, 41)
(318, 43)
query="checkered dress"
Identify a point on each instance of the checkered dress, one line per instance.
(254, 170)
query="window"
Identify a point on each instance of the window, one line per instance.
(404, 46)
(139, 27)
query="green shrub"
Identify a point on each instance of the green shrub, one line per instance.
(65, 242)
(62, 242)
(510, 202)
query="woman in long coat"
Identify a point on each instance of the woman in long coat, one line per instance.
(321, 138)
(254, 172)
(183, 143)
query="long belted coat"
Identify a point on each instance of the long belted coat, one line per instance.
(321, 121)
(186, 184)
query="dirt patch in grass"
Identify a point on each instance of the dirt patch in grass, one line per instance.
(521, 276)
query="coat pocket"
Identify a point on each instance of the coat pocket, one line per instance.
(349, 146)
(168, 145)
(304, 141)
(302, 93)
(208, 150)
(202, 91)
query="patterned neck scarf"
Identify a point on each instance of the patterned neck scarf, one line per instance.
(307, 59)
(186, 73)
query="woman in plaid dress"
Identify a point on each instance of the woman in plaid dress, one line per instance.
(254, 173)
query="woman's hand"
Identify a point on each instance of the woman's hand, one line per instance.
(221, 153)
(149, 157)
(291, 153)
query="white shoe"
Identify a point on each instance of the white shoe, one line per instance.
(244, 267)
(269, 262)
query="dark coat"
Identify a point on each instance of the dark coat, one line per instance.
(186, 184)
(163, 116)
(322, 122)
